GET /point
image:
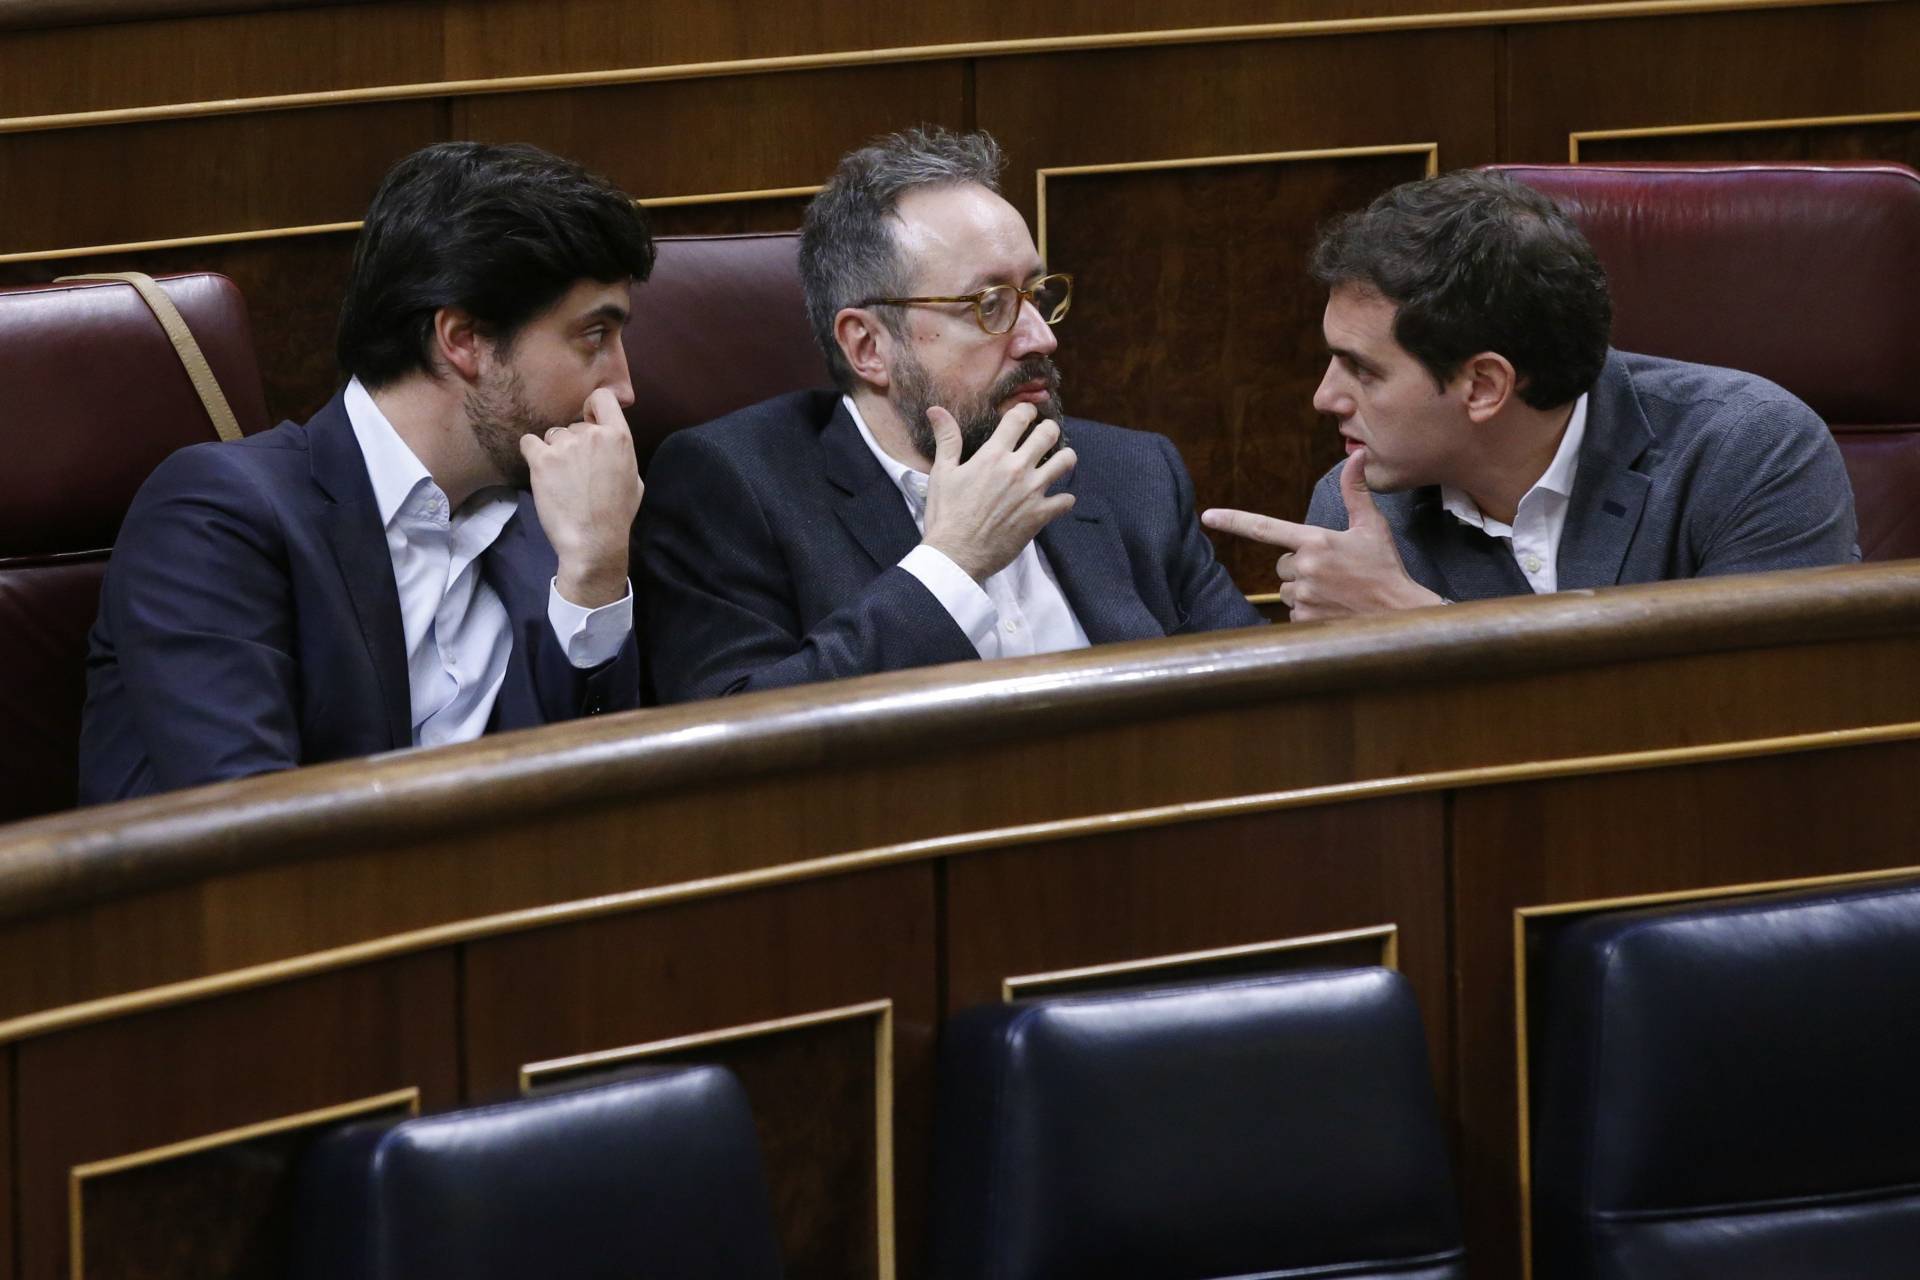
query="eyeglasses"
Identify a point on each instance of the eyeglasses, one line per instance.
(997, 307)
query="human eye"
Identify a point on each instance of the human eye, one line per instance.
(996, 304)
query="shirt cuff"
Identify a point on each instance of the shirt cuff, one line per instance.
(589, 636)
(971, 609)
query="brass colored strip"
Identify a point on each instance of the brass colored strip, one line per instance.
(44, 1021)
(1523, 915)
(1430, 149)
(1387, 934)
(899, 54)
(1731, 126)
(887, 1246)
(410, 1097)
(328, 228)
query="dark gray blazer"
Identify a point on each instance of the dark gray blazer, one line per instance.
(1686, 471)
(769, 544)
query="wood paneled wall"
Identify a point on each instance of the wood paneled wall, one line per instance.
(1194, 316)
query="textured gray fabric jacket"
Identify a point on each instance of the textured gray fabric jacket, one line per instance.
(1686, 471)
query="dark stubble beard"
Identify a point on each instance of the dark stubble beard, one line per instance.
(498, 411)
(914, 393)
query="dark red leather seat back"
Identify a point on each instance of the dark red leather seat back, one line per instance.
(721, 325)
(92, 397)
(1801, 273)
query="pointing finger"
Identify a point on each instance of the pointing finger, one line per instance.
(1246, 524)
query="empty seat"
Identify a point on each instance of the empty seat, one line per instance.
(1800, 272)
(92, 397)
(1728, 1089)
(1272, 1127)
(720, 325)
(657, 1175)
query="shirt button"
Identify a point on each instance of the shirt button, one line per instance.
(1532, 563)
(1010, 625)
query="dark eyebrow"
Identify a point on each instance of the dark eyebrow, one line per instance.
(1351, 357)
(611, 312)
(987, 279)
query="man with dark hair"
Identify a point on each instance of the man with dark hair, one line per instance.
(937, 505)
(441, 551)
(1497, 446)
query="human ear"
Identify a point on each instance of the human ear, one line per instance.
(458, 342)
(1490, 383)
(865, 344)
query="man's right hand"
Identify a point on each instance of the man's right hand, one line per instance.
(981, 512)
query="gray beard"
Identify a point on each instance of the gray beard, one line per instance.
(914, 393)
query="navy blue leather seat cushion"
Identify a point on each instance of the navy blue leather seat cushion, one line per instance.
(1733, 1089)
(1272, 1127)
(654, 1176)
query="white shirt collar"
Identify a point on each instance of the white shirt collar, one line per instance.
(391, 465)
(1557, 479)
(912, 484)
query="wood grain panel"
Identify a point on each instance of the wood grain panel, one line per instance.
(728, 217)
(703, 966)
(293, 286)
(698, 136)
(1705, 69)
(1840, 140)
(128, 64)
(1136, 894)
(203, 177)
(9, 1161)
(1574, 839)
(114, 1089)
(1193, 317)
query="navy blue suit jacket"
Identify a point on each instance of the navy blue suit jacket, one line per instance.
(770, 544)
(250, 622)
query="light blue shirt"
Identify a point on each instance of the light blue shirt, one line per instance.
(457, 632)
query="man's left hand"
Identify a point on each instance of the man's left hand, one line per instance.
(586, 489)
(1327, 573)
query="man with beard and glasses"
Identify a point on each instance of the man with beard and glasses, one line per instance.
(440, 551)
(937, 505)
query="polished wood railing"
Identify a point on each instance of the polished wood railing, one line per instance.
(803, 883)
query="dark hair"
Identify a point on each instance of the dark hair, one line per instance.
(847, 249)
(1479, 262)
(501, 232)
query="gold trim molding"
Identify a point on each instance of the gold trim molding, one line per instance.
(536, 1073)
(898, 54)
(1522, 916)
(1731, 126)
(334, 228)
(1430, 149)
(78, 1174)
(1033, 984)
(506, 922)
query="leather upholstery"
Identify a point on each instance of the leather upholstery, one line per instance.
(657, 1175)
(1270, 1127)
(1801, 273)
(1728, 1090)
(721, 324)
(92, 397)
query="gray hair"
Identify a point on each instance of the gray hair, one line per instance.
(847, 249)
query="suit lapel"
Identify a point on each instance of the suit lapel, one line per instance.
(1608, 494)
(1090, 561)
(1469, 564)
(359, 545)
(871, 508)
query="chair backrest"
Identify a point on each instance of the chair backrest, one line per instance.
(720, 325)
(1282, 1126)
(1728, 1090)
(1801, 273)
(653, 1176)
(92, 397)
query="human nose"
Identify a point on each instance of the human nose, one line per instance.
(1330, 396)
(1032, 335)
(619, 379)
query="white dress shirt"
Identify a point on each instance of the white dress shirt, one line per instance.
(458, 635)
(1534, 535)
(1016, 612)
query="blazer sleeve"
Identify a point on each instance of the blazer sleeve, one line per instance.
(1209, 599)
(198, 603)
(1778, 493)
(721, 608)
